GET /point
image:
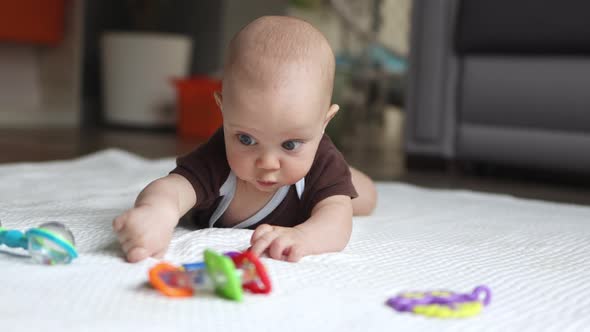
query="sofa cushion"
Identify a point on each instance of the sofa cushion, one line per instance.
(535, 92)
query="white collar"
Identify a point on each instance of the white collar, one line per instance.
(228, 189)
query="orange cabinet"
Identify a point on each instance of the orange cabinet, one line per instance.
(32, 21)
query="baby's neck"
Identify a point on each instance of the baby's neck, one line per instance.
(246, 202)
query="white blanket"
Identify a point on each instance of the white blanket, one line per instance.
(532, 254)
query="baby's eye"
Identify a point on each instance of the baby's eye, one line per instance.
(246, 140)
(291, 145)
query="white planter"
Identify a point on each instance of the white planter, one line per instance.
(136, 73)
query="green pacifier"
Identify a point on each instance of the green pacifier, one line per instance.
(222, 271)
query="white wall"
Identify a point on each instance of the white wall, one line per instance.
(39, 85)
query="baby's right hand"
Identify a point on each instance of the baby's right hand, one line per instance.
(145, 231)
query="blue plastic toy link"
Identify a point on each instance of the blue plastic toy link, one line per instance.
(51, 243)
(13, 238)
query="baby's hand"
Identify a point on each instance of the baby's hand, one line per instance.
(145, 231)
(284, 243)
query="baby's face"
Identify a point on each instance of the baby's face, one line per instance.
(272, 132)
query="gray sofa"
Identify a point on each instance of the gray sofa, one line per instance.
(501, 81)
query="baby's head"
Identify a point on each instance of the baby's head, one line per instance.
(277, 89)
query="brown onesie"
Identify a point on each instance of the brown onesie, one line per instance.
(207, 169)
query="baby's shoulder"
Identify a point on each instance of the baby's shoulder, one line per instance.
(328, 155)
(329, 163)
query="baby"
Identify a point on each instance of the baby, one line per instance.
(270, 167)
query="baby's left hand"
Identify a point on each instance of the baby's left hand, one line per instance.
(283, 243)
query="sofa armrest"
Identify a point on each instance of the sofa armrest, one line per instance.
(433, 75)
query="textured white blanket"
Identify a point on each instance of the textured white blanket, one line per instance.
(532, 254)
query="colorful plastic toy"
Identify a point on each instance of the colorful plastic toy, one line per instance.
(227, 275)
(442, 304)
(50, 243)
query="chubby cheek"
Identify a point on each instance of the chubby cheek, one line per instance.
(293, 169)
(240, 162)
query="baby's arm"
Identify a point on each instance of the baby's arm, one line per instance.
(327, 230)
(146, 229)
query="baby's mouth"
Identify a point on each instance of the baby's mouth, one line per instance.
(266, 183)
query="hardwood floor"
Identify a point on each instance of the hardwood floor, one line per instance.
(375, 149)
(24, 145)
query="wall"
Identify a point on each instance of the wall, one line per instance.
(39, 85)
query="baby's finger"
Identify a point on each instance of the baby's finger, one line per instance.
(119, 222)
(127, 245)
(260, 231)
(278, 247)
(160, 254)
(262, 243)
(295, 253)
(122, 237)
(137, 254)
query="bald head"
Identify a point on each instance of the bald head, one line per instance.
(269, 49)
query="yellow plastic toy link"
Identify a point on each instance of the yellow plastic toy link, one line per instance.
(462, 310)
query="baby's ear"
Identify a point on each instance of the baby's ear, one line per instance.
(331, 113)
(218, 98)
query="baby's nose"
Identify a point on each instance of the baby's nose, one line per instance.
(268, 161)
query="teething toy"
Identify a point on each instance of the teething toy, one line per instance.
(50, 243)
(227, 275)
(254, 276)
(442, 304)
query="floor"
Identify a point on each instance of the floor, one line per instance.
(375, 149)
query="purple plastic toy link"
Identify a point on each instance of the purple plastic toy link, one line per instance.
(410, 300)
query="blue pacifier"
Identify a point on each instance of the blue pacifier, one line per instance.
(50, 243)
